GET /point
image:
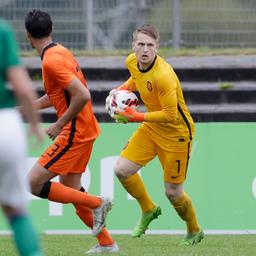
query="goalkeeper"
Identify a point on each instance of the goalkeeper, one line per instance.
(166, 131)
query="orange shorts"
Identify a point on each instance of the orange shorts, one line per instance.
(64, 157)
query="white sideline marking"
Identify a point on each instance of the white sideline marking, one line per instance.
(153, 232)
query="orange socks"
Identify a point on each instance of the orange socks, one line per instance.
(83, 203)
(63, 194)
(85, 214)
(135, 187)
(184, 208)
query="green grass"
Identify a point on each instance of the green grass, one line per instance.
(150, 245)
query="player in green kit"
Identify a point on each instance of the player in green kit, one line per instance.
(13, 187)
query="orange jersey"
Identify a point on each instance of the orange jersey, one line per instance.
(59, 68)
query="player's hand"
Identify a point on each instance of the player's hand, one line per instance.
(53, 130)
(107, 102)
(129, 115)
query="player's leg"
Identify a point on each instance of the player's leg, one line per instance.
(13, 184)
(175, 164)
(105, 241)
(182, 203)
(126, 172)
(137, 153)
(41, 186)
(85, 213)
(25, 236)
(59, 159)
(72, 179)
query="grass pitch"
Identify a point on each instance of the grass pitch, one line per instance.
(149, 245)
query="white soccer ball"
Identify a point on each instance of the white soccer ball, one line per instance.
(122, 99)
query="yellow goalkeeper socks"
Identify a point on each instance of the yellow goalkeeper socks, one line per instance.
(136, 188)
(184, 208)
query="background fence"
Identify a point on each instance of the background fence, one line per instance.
(108, 24)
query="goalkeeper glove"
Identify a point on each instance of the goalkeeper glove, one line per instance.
(107, 102)
(129, 115)
(120, 119)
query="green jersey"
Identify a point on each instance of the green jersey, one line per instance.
(9, 57)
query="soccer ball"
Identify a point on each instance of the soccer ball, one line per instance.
(120, 100)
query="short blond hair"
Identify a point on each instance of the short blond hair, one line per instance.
(147, 29)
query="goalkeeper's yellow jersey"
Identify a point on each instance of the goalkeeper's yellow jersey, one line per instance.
(167, 115)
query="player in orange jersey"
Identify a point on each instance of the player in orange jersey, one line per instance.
(73, 133)
(166, 131)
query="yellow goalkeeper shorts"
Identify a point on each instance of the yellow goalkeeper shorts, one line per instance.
(174, 157)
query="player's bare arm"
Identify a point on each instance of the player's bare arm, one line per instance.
(79, 95)
(42, 102)
(22, 87)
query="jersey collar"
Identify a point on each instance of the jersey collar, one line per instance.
(46, 48)
(147, 69)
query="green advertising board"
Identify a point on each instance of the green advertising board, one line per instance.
(221, 180)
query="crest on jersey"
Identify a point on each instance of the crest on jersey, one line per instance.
(149, 86)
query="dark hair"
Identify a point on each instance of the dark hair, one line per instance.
(38, 23)
(149, 30)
